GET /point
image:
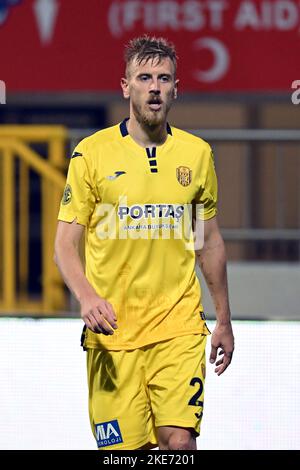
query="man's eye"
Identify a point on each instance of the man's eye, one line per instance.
(165, 78)
(144, 77)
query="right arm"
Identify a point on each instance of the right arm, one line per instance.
(96, 312)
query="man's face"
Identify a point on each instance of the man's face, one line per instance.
(151, 87)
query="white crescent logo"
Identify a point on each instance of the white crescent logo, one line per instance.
(221, 60)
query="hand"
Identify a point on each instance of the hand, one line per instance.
(98, 314)
(222, 337)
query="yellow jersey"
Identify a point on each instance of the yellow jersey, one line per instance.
(138, 239)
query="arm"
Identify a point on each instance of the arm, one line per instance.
(96, 312)
(212, 261)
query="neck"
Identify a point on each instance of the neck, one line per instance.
(147, 136)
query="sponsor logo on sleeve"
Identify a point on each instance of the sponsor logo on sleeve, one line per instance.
(67, 196)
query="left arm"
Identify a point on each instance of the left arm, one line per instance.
(212, 261)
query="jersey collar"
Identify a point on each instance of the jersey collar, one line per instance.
(124, 131)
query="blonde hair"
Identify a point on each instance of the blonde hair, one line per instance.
(144, 48)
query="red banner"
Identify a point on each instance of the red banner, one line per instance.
(60, 45)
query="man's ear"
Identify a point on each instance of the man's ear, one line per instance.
(125, 87)
(175, 89)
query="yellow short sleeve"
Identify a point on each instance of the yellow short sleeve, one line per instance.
(79, 198)
(207, 196)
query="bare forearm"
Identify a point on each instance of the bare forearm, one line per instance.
(69, 263)
(212, 261)
(97, 313)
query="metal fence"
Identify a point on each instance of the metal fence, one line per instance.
(18, 159)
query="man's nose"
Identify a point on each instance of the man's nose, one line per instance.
(154, 86)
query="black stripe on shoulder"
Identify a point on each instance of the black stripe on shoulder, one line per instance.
(123, 127)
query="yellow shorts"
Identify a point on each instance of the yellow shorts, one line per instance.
(131, 393)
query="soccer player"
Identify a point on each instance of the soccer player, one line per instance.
(128, 188)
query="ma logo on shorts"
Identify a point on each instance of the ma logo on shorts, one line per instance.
(108, 434)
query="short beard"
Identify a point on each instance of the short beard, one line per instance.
(149, 121)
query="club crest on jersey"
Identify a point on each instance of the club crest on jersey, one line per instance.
(67, 196)
(108, 433)
(184, 175)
